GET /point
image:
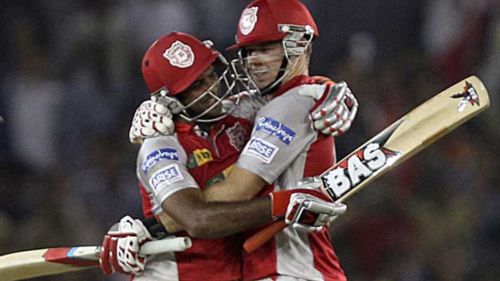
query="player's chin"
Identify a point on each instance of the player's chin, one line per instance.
(216, 111)
(262, 83)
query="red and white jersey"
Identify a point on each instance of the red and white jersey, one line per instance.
(283, 149)
(194, 159)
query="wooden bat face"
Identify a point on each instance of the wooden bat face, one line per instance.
(26, 264)
(405, 137)
(43, 262)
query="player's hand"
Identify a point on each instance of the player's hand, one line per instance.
(151, 119)
(305, 209)
(120, 247)
(337, 109)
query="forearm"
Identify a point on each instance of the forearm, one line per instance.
(240, 185)
(218, 219)
(224, 219)
(169, 223)
(225, 192)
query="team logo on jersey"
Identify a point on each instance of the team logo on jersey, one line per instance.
(248, 20)
(158, 155)
(165, 176)
(468, 96)
(237, 136)
(275, 128)
(360, 166)
(261, 149)
(179, 54)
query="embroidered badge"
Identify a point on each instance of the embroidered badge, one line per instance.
(237, 136)
(248, 20)
(179, 54)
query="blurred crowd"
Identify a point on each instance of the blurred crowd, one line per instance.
(70, 82)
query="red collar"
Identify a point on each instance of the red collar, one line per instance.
(182, 127)
(294, 82)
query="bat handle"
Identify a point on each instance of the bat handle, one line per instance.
(263, 235)
(171, 244)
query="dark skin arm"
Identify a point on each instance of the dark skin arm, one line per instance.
(213, 219)
(240, 185)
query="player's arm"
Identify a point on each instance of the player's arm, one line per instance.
(199, 218)
(241, 184)
(256, 168)
(303, 208)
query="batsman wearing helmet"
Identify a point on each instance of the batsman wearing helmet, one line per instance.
(274, 42)
(192, 80)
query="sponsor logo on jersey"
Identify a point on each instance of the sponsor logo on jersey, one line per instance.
(275, 128)
(165, 176)
(199, 157)
(468, 96)
(360, 166)
(248, 20)
(237, 135)
(158, 155)
(261, 149)
(179, 54)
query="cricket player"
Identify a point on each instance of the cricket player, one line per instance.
(274, 42)
(172, 170)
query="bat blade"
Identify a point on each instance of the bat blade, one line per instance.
(43, 262)
(33, 263)
(402, 139)
(407, 136)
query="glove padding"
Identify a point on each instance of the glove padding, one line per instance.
(151, 119)
(120, 247)
(338, 107)
(305, 209)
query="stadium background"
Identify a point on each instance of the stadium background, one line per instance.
(70, 81)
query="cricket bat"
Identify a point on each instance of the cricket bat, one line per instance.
(404, 138)
(36, 263)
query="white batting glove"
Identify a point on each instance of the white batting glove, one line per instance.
(120, 247)
(151, 119)
(307, 212)
(338, 109)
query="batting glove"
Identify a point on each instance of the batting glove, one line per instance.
(120, 247)
(305, 209)
(337, 109)
(151, 119)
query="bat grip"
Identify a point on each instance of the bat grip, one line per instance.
(172, 244)
(263, 235)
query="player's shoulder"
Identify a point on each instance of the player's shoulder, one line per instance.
(165, 145)
(157, 149)
(246, 105)
(309, 90)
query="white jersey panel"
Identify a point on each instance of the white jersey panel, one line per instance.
(248, 106)
(161, 168)
(282, 133)
(291, 244)
(162, 267)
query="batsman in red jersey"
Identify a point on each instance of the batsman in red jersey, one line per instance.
(274, 41)
(181, 73)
